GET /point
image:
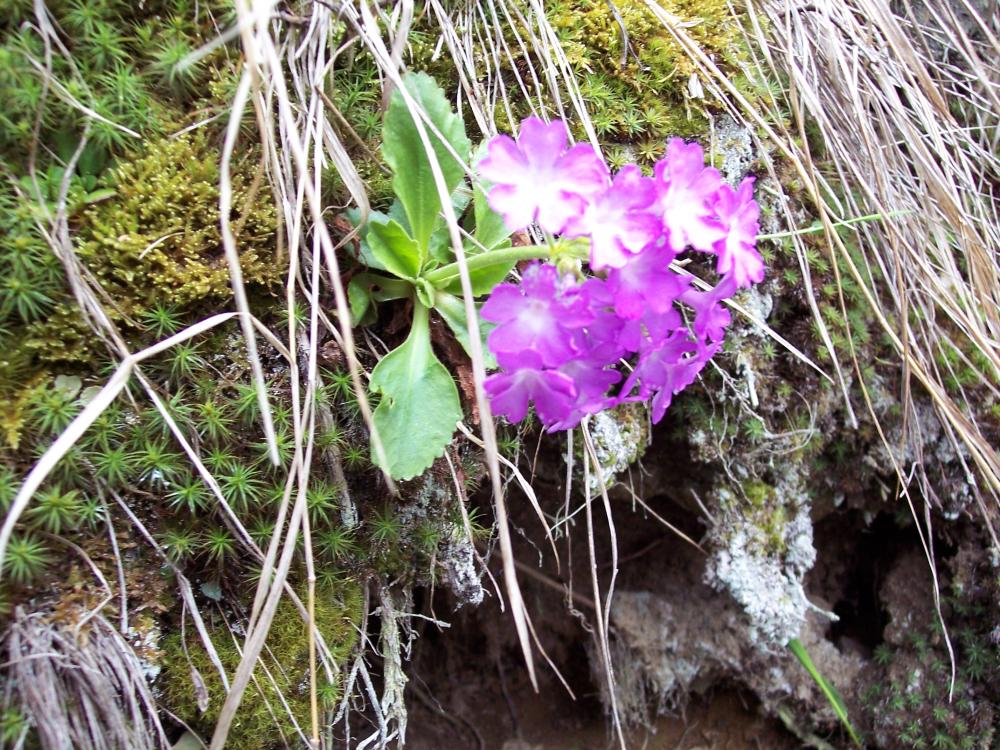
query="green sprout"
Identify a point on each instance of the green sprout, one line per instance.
(337, 543)
(27, 558)
(355, 457)
(179, 543)
(185, 361)
(213, 422)
(53, 409)
(156, 462)
(241, 487)
(385, 528)
(321, 499)
(55, 510)
(218, 545)
(113, 466)
(162, 320)
(190, 494)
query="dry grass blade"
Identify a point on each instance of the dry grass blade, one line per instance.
(81, 692)
(882, 89)
(890, 129)
(603, 610)
(233, 260)
(904, 100)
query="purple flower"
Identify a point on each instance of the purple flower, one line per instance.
(617, 221)
(558, 341)
(710, 317)
(687, 192)
(540, 316)
(645, 282)
(553, 393)
(645, 333)
(737, 251)
(666, 370)
(602, 337)
(685, 372)
(537, 179)
(592, 381)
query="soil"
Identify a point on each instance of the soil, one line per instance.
(726, 720)
(680, 649)
(469, 689)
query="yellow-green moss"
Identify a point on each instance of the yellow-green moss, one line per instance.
(63, 336)
(647, 98)
(765, 513)
(158, 240)
(758, 494)
(15, 396)
(261, 722)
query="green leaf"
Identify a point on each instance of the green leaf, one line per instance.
(425, 292)
(413, 180)
(394, 248)
(68, 385)
(97, 196)
(828, 690)
(360, 299)
(366, 255)
(452, 311)
(419, 409)
(440, 242)
(366, 288)
(398, 214)
(483, 279)
(491, 232)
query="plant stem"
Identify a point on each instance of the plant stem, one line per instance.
(441, 276)
(844, 223)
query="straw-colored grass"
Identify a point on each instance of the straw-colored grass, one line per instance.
(903, 100)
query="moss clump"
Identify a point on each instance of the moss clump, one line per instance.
(159, 241)
(63, 336)
(767, 515)
(639, 94)
(758, 494)
(262, 722)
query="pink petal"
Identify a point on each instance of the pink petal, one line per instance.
(503, 161)
(515, 203)
(504, 303)
(557, 209)
(542, 143)
(581, 171)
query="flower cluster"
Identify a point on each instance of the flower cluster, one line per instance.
(560, 339)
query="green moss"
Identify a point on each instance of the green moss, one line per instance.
(766, 514)
(759, 494)
(158, 241)
(262, 722)
(646, 96)
(63, 336)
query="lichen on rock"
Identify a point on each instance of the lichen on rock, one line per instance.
(619, 437)
(760, 557)
(432, 529)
